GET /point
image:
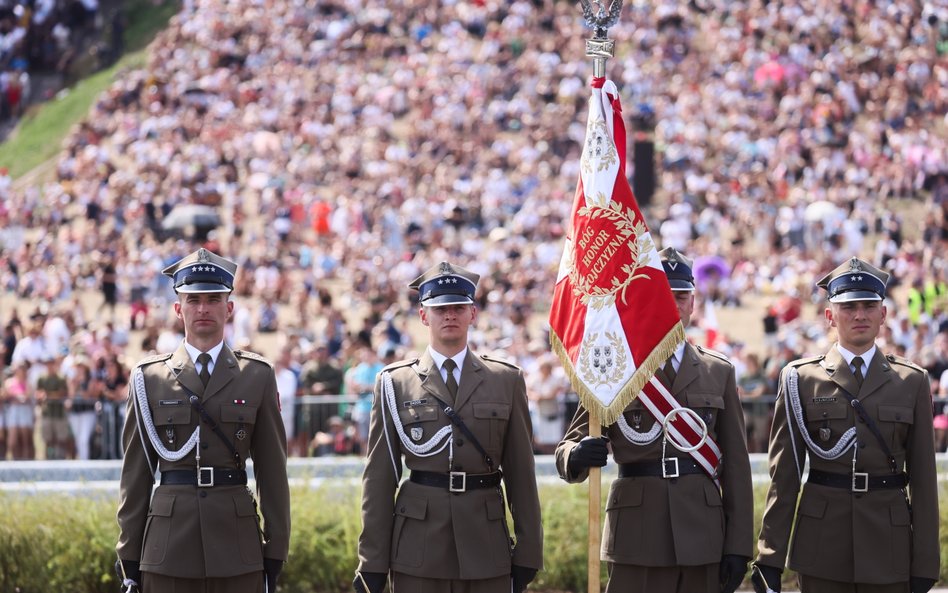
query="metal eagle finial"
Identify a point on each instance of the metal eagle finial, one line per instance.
(600, 48)
(601, 21)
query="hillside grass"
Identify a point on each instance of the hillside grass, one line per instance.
(39, 134)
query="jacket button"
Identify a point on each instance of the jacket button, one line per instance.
(673, 480)
(460, 442)
(898, 416)
(825, 414)
(862, 445)
(204, 445)
(169, 419)
(494, 413)
(203, 494)
(401, 509)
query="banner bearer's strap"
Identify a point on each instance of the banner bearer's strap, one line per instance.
(682, 429)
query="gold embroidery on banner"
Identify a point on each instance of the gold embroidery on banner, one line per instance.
(599, 147)
(602, 362)
(600, 246)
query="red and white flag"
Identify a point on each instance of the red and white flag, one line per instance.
(613, 318)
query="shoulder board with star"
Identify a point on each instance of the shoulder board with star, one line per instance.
(401, 363)
(491, 358)
(252, 356)
(155, 358)
(713, 353)
(804, 361)
(892, 358)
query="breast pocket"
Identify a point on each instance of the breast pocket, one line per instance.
(826, 422)
(496, 414)
(895, 423)
(707, 405)
(173, 420)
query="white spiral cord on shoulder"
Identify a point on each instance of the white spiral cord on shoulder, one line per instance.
(145, 415)
(792, 388)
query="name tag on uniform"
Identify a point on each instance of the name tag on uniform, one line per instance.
(169, 402)
(824, 400)
(414, 403)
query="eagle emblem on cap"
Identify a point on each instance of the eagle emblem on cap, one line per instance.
(202, 255)
(854, 265)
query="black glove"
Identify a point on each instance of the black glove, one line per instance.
(764, 577)
(731, 573)
(589, 452)
(369, 582)
(272, 569)
(129, 575)
(921, 584)
(521, 576)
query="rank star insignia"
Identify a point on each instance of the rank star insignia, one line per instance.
(241, 434)
(416, 433)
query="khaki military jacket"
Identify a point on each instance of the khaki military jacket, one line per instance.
(684, 521)
(841, 535)
(427, 531)
(190, 532)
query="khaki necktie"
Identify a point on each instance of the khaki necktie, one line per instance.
(669, 370)
(205, 359)
(449, 366)
(857, 365)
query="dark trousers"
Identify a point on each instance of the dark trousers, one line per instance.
(403, 583)
(252, 582)
(810, 584)
(626, 578)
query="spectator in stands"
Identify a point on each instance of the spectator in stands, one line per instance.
(320, 376)
(20, 421)
(52, 393)
(81, 407)
(287, 371)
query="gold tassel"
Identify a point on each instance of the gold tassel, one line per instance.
(645, 371)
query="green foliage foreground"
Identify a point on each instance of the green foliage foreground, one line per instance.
(63, 543)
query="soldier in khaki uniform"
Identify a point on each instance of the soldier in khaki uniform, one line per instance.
(460, 422)
(863, 419)
(196, 415)
(669, 527)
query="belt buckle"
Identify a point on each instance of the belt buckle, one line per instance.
(860, 482)
(454, 478)
(205, 477)
(670, 462)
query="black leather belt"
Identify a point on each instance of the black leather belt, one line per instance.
(456, 481)
(670, 467)
(857, 482)
(204, 477)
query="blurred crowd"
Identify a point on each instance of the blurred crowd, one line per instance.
(39, 36)
(346, 145)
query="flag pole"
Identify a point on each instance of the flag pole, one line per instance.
(599, 48)
(595, 511)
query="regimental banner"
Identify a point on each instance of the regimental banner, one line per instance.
(613, 319)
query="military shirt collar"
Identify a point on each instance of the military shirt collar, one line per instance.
(849, 356)
(439, 358)
(194, 353)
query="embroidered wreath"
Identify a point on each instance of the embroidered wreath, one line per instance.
(636, 238)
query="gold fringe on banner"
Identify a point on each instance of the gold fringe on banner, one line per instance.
(610, 414)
